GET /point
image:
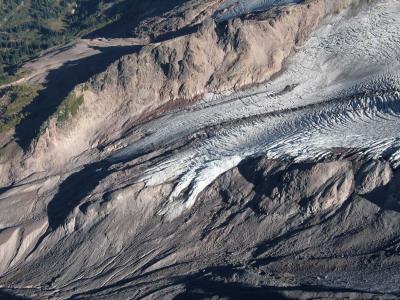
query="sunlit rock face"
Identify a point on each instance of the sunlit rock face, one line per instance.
(255, 155)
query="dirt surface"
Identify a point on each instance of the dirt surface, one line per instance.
(255, 156)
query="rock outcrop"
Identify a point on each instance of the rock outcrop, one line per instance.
(265, 224)
(198, 166)
(214, 58)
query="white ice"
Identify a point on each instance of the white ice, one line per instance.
(340, 90)
(233, 8)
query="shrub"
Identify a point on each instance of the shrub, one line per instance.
(69, 107)
(12, 102)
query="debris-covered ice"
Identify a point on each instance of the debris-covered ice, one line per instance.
(233, 8)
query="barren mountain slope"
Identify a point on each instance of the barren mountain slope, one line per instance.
(215, 58)
(245, 149)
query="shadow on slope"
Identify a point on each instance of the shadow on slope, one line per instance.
(75, 188)
(59, 84)
(208, 289)
(174, 34)
(7, 296)
(386, 197)
(200, 286)
(71, 191)
(133, 12)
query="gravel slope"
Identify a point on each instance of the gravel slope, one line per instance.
(208, 165)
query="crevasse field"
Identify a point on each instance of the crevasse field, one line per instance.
(342, 90)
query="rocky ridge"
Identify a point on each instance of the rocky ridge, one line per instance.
(215, 58)
(255, 225)
(86, 220)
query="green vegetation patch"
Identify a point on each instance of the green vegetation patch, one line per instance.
(12, 102)
(6, 78)
(30, 26)
(69, 107)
